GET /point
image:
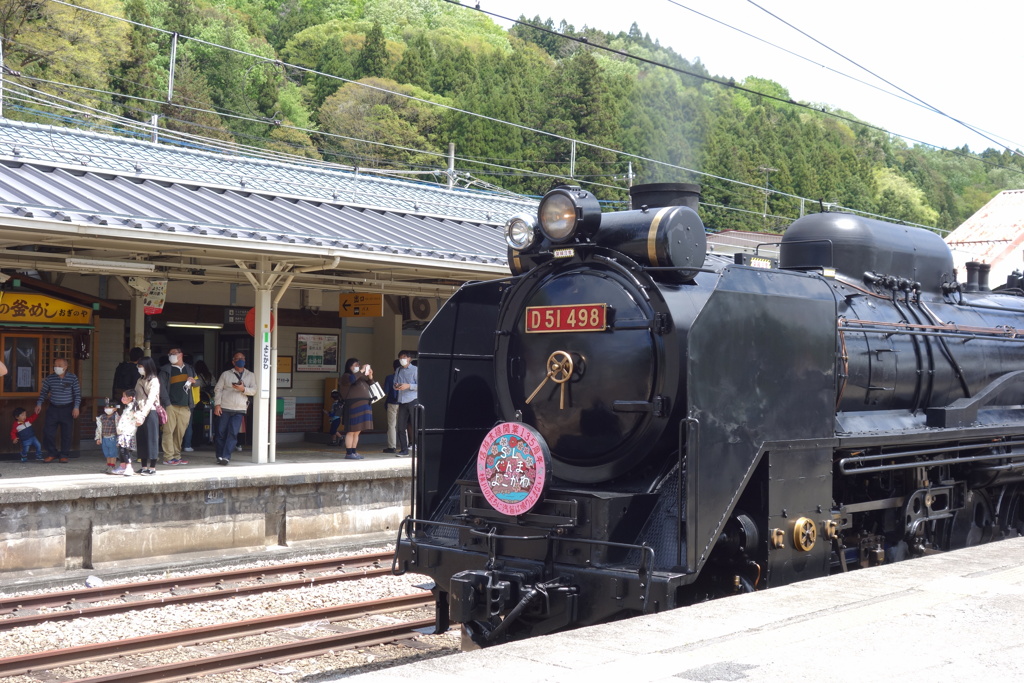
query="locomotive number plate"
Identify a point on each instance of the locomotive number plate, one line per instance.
(573, 318)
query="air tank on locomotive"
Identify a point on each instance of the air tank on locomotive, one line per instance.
(593, 349)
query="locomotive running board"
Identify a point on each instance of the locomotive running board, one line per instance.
(963, 412)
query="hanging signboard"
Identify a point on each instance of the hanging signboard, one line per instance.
(153, 302)
(360, 305)
(41, 309)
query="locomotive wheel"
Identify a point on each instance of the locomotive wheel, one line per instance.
(1013, 519)
(973, 525)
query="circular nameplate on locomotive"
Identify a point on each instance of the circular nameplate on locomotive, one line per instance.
(512, 467)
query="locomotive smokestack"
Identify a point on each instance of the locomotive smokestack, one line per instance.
(658, 195)
(983, 271)
(972, 276)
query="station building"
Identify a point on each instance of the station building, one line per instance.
(108, 243)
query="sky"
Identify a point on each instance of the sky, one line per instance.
(953, 56)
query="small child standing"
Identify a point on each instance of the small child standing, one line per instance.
(335, 417)
(127, 425)
(106, 434)
(22, 431)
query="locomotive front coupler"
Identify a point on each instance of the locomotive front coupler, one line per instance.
(478, 598)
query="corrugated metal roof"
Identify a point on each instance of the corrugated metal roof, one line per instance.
(68, 147)
(994, 235)
(151, 206)
(83, 178)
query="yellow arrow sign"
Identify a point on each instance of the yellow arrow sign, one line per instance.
(357, 305)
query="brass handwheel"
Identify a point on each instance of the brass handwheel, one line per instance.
(560, 367)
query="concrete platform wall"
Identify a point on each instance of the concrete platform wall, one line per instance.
(98, 522)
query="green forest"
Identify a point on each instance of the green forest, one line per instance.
(635, 121)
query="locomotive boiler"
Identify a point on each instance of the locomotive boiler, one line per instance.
(630, 424)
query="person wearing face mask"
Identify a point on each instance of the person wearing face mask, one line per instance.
(106, 434)
(354, 388)
(147, 397)
(61, 390)
(230, 403)
(176, 380)
(407, 385)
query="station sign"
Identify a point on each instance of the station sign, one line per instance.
(360, 305)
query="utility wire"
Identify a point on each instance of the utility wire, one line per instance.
(581, 40)
(908, 100)
(887, 82)
(727, 84)
(252, 151)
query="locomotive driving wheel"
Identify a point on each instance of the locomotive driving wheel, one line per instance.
(975, 523)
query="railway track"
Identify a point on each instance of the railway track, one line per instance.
(76, 603)
(262, 656)
(205, 664)
(311, 568)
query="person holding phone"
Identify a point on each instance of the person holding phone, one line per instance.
(407, 386)
(354, 388)
(230, 403)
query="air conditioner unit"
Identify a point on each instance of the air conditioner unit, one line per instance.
(422, 308)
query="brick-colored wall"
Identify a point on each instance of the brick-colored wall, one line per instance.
(308, 418)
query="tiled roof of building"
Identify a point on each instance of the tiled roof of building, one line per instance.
(993, 235)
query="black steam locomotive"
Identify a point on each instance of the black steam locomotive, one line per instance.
(629, 424)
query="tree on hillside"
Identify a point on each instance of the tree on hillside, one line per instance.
(548, 40)
(581, 107)
(136, 76)
(62, 43)
(195, 114)
(361, 116)
(373, 58)
(417, 64)
(181, 16)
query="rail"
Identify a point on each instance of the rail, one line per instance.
(23, 664)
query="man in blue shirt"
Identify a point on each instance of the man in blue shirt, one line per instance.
(64, 394)
(408, 398)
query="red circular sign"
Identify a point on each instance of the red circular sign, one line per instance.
(512, 467)
(250, 321)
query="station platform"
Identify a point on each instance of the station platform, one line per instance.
(956, 616)
(62, 517)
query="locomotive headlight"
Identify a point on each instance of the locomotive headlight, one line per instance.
(521, 231)
(567, 212)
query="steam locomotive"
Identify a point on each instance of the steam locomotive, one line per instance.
(630, 424)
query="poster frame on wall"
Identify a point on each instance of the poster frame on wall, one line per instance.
(316, 352)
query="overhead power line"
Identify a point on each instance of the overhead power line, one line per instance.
(727, 84)
(581, 40)
(884, 80)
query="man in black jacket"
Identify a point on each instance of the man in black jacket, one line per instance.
(126, 374)
(176, 380)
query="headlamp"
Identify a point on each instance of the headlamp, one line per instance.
(568, 212)
(521, 231)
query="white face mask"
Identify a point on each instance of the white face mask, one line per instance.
(174, 359)
(58, 371)
(403, 362)
(355, 369)
(142, 371)
(108, 411)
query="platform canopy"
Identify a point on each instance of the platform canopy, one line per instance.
(80, 201)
